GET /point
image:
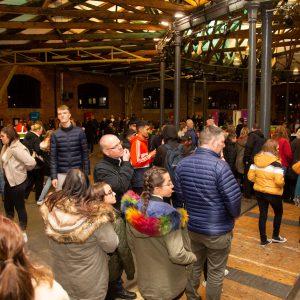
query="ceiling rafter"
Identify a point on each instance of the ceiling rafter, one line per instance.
(16, 9)
(79, 25)
(82, 36)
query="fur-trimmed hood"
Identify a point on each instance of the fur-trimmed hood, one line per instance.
(161, 218)
(65, 224)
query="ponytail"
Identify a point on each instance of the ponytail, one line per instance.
(15, 281)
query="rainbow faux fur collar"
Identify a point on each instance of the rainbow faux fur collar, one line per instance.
(163, 218)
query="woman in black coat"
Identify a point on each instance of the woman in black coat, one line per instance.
(32, 141)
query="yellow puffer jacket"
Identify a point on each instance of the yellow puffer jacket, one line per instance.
(267, 174)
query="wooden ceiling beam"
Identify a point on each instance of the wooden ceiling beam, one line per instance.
(162, 5)
(44, 37)
(77, 13)
(79, 25)
(134, 44)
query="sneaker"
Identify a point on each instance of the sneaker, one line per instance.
(279, 239)
(25, 237)
(204, 283)
(265, 243)
(226, 272)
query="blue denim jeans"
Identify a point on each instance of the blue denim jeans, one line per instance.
(46, 188)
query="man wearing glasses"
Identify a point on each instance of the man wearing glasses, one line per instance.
(115, 168)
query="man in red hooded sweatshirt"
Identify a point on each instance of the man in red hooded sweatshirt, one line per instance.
(139, 155)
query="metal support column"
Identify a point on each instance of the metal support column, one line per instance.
(205, 101)
(177, 78)
(162, 88)
(55, 91)
(287, 99)
(252, 17)
(266, 69)
(193, 98)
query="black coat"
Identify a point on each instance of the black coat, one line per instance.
(116, 173)
(230, 154)
(254, 144)
(68, 151)
(32, 142)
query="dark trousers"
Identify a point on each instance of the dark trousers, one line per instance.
(14, 199)
(137, 180)
(263, 203)
(248, 185)
(114, 287)
(35, 178)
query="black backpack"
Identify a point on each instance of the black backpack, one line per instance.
(173, 157)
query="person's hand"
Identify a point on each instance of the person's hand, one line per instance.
(54, 183)
(126, 155)
(153, 153)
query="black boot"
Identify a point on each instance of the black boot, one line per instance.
(125, 294)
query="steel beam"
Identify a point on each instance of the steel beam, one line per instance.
(266, 69)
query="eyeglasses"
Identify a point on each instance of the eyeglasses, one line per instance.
(115, 147)
(110, 193)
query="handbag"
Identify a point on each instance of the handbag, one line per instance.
(296, 167)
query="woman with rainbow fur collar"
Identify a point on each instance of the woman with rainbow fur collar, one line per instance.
(158, 238)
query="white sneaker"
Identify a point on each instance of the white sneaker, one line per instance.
(25, 237)
(203, 283)
(226, 272)
(279, 239)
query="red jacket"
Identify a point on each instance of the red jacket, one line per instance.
(285, 152)
(139, 155)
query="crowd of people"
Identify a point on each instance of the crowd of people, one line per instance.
(161, 204)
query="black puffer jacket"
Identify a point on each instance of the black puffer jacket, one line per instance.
(68, 151)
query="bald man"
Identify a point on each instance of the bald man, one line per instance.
(115, 168)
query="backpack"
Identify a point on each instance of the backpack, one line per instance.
(173, 156)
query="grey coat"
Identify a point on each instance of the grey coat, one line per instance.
(80, 247)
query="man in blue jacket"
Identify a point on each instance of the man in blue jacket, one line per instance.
(208, 190)
(68, 149)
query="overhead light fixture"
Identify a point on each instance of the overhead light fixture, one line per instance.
(164, 23)
(237, 60)
(179, 15)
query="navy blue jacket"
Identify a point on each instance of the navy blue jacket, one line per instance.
(209, 191)
(68, 151)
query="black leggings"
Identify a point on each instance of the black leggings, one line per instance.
(264, 200)
(14, 199)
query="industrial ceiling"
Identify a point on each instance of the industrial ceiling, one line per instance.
(128, 37)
